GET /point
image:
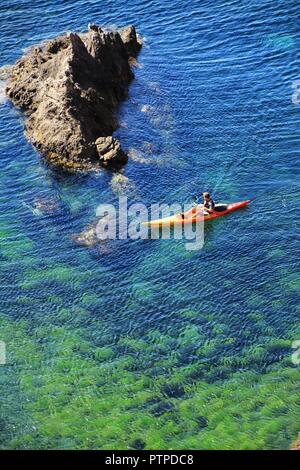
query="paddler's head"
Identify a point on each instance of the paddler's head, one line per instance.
(206, 195)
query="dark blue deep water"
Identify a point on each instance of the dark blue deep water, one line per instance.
(143, 344)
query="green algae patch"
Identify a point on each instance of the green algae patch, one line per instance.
(137, 392)
(58, 273)
(90, 298)
(103, 354)
(15, 248)
(188, 313)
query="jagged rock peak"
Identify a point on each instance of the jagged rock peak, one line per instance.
(70, 88)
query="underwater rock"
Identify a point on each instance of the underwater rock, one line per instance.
(121, 184)
(136, 155)
(69, 88)
(202, 422)
(46, 205)
(162, 408)
(197, 373)
(137, 444)
(88, 236)
(146, 108)
(172, 390)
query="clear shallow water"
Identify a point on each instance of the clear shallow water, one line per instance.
(143, 343)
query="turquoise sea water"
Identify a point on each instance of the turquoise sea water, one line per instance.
(138, 344)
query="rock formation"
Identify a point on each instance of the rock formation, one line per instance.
(296, 444)
(70, 88)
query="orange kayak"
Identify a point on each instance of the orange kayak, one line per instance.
(195, 214)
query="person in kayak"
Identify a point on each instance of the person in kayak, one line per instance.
(208, 203)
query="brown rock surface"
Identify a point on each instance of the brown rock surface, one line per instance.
(296, 444)
(70, 88)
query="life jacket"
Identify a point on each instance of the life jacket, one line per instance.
(209, 204)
